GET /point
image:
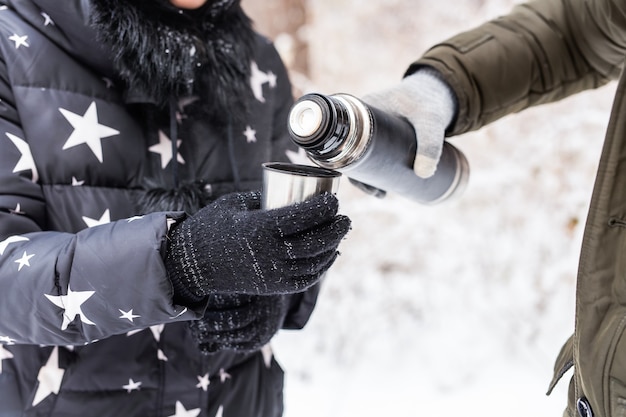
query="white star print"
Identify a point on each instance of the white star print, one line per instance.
(182, 412)
(220, 411)
(19, 40)
(156, 331)
(104, 219)
(49, 377)
(203, 382)
(169, 222)
(26, 162)
(71, 304)
(224, 375)
(258, 78)
(11, 239)
(132, 385)
(17, 210)
(128, 315)
(250, 134)
(4, 8)
(300, 157)
(87, 130)
(6, 340)
(132, 219)
(24, 261)
(161, 356)
(267, 355)
(5, 354)
(164, 148)
(46, 19)
(76, 183)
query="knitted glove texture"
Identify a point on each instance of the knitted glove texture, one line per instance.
(234, 247)
(239, 322)
(429, 104)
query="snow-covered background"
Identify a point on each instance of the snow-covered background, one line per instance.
(460, 308)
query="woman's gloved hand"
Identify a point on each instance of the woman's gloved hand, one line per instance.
(429, 104)
(233, 247)
(239, 322)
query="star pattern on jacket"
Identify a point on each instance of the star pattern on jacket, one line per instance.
(132, 386)
(11, 239)
(104, 219)
(258, 78)
(26, 161)
(181, 411)
(128, 315)
(24, 261)
(19, 40)
(224, 375)
(203, 382)
(46, 19)
(267, 353)
(5, 340)
(155, 330)
(164, 149)
(17, 210)
(299, 157)
(87, 130)
(4, 354)
(250, 134)
(49, 377)
(71, 304)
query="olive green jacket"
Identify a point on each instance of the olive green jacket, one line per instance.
(541, 52)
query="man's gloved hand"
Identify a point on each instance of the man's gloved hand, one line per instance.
(233, 247)
(429, 104)
(239, 322)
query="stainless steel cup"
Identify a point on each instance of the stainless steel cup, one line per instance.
(285, 183)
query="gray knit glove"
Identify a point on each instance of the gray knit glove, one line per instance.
(239, 322)
(429, 104)
(234, 247)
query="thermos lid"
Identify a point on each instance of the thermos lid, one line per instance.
(305, 118)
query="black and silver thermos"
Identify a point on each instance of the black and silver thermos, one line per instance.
(343, 133)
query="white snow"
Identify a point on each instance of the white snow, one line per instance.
(460, 308)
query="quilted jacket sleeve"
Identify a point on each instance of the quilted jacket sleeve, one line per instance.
(65, 288)
(541, 52)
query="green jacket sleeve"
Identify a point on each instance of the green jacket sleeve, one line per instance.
(541, 52)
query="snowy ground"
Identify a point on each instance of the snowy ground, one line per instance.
(457, 309)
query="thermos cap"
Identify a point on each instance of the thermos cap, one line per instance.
(305, 118)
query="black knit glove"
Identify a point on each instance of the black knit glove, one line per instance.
(234, 247)
(239, 322)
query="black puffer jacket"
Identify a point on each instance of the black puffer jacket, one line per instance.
(87, 322)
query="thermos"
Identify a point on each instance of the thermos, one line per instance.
(343, 133)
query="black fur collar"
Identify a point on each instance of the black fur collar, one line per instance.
(162, 51)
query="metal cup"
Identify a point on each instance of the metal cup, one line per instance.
(285, 184)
